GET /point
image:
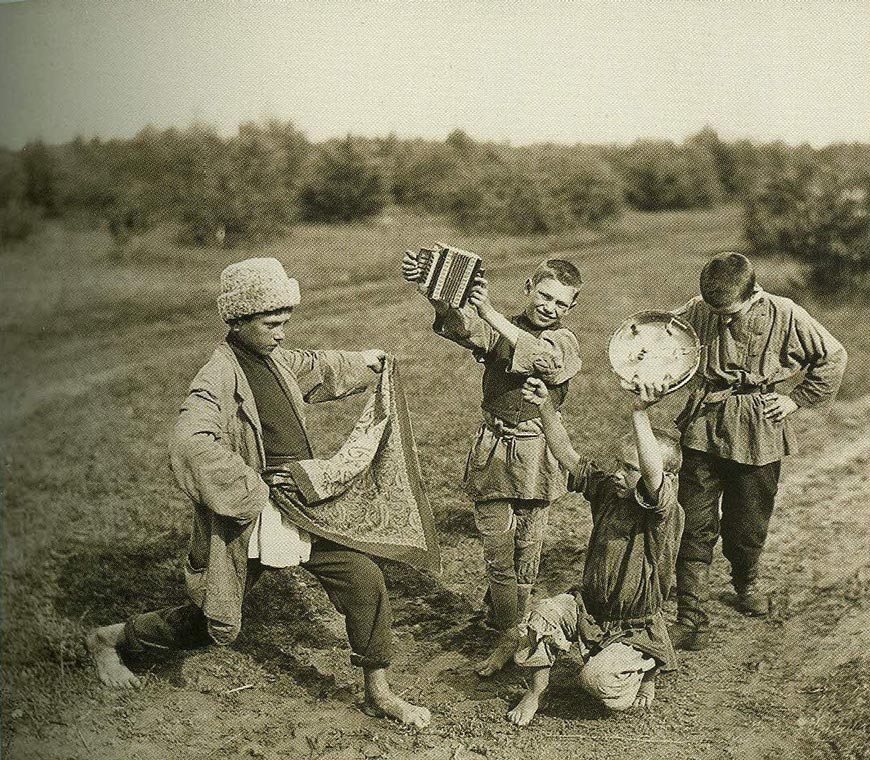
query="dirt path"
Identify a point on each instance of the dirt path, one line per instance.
(286, 689)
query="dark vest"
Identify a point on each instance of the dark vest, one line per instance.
(502, 389)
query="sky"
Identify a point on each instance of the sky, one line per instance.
(523, 72)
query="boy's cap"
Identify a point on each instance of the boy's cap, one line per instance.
(255, 286)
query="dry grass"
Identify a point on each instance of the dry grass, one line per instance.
(99, 350)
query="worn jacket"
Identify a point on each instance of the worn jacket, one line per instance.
(217, 458)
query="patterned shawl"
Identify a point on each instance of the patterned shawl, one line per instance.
(369, 495)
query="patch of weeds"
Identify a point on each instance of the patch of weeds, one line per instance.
(841, 728)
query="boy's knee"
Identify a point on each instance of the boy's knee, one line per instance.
(498, 555)
(223, 634)
(614, 675)
(368, 577)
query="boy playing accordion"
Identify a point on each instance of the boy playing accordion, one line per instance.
(510, 473)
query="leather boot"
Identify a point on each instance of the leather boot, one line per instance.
(751, 600)
(691, 631)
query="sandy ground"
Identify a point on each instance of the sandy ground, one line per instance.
(294, 695)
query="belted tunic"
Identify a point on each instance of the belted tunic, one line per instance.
(745, 356)
(509, 458)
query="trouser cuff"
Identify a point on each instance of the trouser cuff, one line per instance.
(369, 663)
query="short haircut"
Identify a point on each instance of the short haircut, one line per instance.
(672, 455)
(559, 270)
(726, 279)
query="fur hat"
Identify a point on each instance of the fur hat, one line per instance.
(255, 286)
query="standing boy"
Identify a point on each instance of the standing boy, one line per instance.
(735, 428)
(243, 412)
(510, 474)
(616, 616)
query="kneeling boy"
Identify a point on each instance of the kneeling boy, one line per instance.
(616, 616)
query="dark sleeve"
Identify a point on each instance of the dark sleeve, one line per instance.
(662, 503)
(587, 479)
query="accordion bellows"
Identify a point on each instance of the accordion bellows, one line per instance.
(447, 273)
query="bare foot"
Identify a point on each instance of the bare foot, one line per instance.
(646, 694)
(389, 705)
(102, 643)
(501, 655)
(526, 709)
(381, 701)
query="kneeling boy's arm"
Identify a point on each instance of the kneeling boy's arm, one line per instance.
(649, 453)
(557, 437)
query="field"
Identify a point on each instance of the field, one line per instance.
(99, 347)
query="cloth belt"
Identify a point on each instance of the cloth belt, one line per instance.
(714, 395)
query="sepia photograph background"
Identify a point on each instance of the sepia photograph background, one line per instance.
(144, 146)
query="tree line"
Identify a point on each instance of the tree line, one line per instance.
(805, 202)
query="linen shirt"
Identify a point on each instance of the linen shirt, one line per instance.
(773, 341)
(509, 458)
(629, 569)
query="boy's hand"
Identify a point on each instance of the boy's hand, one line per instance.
(535, 391)
(777, 406)
(375, 359)
(648, 394)
(410, 267)
(478, 296)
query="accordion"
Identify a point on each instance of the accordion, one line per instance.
(447, 274)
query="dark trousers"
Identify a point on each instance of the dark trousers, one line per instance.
(353, 582)
(747, 494)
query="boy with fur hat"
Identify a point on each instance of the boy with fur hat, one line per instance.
(735, 428)
(510, 474)
(616, 615)
(244, 414)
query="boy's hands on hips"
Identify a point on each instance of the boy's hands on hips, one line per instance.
(535, 391)
(777, 406)
(375, 359)
(410, 266)
(647, 394)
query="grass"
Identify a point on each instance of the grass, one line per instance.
(100, 349)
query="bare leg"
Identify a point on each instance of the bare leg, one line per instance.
(528, 706)
(502, 654)
(646, 694)
(380, 701)
(103, 644)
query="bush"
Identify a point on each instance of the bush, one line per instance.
(227, 191)
(342, 184)
(819, 216)
(538, 190)
(659, 175)
(39, 164)
(17, 221)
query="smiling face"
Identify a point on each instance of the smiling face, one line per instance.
(549, 301)
(262, 333)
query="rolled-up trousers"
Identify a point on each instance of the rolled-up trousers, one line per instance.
(353, 582)
(512, 532)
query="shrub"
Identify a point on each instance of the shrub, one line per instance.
(342, 184)
(659, 175)
(424, 174)
(238, 189)
(819, 216)
(40, 177)
(17, 221)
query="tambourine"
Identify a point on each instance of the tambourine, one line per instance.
(654, 347)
